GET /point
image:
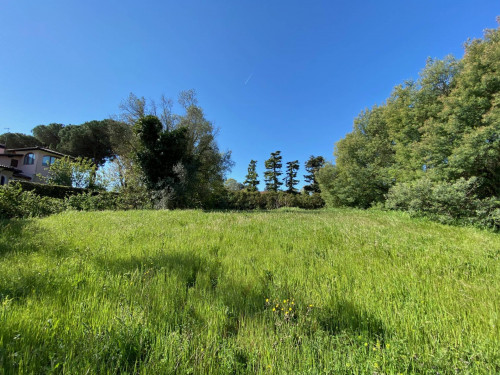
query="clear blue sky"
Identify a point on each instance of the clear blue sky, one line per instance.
(272, 75)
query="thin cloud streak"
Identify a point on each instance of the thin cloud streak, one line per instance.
(248, 79)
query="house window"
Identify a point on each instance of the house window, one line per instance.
(29, 159)
(47, 160)
(2, 180)
(13, 163)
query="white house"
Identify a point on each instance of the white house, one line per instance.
(25, 163)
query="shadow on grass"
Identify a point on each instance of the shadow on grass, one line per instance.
(14, 237)
(346, 317)
(204, 275)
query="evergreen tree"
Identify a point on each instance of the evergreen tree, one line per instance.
(273, 171)
(291, 172)
(313, 165)
(251, 181)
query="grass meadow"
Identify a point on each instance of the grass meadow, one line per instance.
(280, 292)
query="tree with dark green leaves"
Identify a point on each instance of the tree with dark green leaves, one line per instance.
(273, 171)
(161, 154)
(91, 139)
(49, 135)
(436, 138)
(313, 165)
(290, 176)
(251, 179)
(18, 140)
(180, 158)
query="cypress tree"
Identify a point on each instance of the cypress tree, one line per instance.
(273, 171)
(291, 172)
(251, 181)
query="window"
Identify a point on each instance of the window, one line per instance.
(48, 160)
(29, 159)
(13, 163)
(2, 180)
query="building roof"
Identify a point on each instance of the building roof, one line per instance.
(8, 168)
(36, 148)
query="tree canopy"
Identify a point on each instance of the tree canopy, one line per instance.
(444, 127)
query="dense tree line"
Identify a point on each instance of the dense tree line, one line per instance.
(96, 140)
(438, 136)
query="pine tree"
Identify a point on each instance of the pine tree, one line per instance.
(313, 165)
(291, 172)
(273, 171)
(251, 181)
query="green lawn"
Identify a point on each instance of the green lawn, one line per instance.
(347, 291)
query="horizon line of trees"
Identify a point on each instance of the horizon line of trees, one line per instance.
(273, 172)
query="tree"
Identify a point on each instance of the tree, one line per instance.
(49, 135)
(18, 140)
(179, 157)
(79, 173)
(251, 181)
(291, 172)
(232, 185)
(313, 165)
(273, 171)
(91, 139)
(444, 128)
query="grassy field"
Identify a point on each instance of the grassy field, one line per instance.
(337, 292)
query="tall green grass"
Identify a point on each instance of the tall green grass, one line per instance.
(196, 292)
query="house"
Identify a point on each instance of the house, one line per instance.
(25, 163)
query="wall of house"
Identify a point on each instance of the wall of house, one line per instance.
(7, 175)
(37, 168)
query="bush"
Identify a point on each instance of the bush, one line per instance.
(246, 200)
(93, 202)
(16, 203)
(447, 202)
(53, 191)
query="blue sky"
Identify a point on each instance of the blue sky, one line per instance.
(271, 75)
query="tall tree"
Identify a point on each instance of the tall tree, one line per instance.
(273, 171)
(291, 172)
(313, 165)
(49, 135)
(91, 139)
(251, 181)
(197, 176)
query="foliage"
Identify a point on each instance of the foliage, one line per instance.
(273, 171)
(232, 185)
(53, 191)
(446, 202)
(179, 157)
(313, 165)
(438, 131)
(290, 177)
(166, 292)
(78, 173)
(251, 179)
(247, 200)
(16, 203)
(18, 140)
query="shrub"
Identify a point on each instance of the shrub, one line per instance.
(16, 203)
(53, 191)
(446, 202)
